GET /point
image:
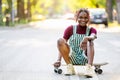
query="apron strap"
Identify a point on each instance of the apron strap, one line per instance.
(87, 31)
(74, 29)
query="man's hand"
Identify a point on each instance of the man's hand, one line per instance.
(57, 64)
(83, 44)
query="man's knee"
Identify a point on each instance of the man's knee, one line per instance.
(62, 46)
(60, 42)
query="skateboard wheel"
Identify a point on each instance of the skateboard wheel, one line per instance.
(59, 71)
(96, 70)
(100, 71)
(55, 70)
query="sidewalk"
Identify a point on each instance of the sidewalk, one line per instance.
(19, 26)
(27, 52)
(33, 24)
(110, 29)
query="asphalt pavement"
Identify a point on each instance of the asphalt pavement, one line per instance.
(27, 52)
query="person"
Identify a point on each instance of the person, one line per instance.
(77, 46)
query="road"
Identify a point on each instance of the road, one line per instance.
(27, 53)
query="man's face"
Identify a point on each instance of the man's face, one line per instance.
(83, 18)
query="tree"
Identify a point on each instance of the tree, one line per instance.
(0, 6)
(1, 21)
(109, 9)
(20, 9)
(55, 7)
(9, 11)
(118, 10)
(76, 4)
(29, 10)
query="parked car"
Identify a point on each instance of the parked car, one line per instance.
(98, 16)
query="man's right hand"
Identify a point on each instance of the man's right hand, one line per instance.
(57, 64)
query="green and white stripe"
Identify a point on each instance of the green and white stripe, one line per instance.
(77, 56)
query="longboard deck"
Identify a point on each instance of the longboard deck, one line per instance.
(97, 66)
(80, 69)
(100, 64)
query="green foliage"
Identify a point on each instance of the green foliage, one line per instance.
(47, 6)
(1, 20)
(114, 3)
(113, 24)
(76, 4)
(9, 2)
(50, 7)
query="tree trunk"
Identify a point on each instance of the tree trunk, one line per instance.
(1, 21)
(118, 10)
(109, 9)
(28, 10)
(9, 6)
(20, 9)
(0, 7)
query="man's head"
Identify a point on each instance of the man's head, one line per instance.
(82, 16)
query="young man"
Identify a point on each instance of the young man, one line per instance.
(80, 38)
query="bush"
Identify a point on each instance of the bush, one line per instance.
(1, 20)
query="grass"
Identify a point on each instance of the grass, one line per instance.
(23, 21)
(114, 24)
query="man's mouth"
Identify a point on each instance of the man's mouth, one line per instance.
(83, 22)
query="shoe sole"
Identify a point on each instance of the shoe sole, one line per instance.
(69, 74)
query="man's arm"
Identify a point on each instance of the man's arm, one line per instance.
(59, 58)
(90, 38)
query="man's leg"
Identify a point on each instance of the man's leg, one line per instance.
(90, 52)
(90, 55)
(64, 50)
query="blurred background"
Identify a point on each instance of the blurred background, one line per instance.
(23, 11)
(29, 30)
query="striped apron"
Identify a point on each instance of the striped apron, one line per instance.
(77, 55)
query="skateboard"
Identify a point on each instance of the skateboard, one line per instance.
(97, 68)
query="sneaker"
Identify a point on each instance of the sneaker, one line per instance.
(70, 69)
(89, 70)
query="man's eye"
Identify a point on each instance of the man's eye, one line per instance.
(86, 17)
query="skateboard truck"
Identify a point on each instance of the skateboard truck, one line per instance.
(57, 70)
(98, 70)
